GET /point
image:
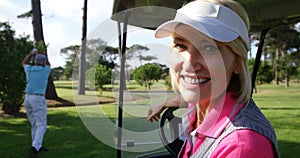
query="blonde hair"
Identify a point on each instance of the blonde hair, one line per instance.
(240, 84)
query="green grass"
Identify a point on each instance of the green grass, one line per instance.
(282, 107)
(72, 136)
(66, 137)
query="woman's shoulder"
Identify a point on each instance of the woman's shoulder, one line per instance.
(251, 117)
(244, 143)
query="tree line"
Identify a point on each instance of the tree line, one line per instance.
(280, 63)
(281, 56)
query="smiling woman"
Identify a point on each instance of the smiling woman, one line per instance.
(204, 57)
(208, 66)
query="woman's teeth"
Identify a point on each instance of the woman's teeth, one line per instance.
(196, 80)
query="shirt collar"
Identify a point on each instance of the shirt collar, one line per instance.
(218, 117)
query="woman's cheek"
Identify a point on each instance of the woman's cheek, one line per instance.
(176, 61)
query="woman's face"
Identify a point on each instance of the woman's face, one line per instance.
(202, 67)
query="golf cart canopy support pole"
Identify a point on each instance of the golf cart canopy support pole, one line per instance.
(122, 52)
(258, 56)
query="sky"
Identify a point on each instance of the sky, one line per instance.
(62, 25)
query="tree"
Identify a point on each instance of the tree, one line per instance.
(137, 50)
(57, 73)
(147, 57)
(98, 52)
(147, 74)
(71, 61)
(298, 74)
(82, 62)
(168, 81)
(39, 37)
(265, 72)
(36, 15)
(97, 76)
(282, 41)
(37, 25)
(12, 78)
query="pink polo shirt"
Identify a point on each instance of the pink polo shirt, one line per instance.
(240, 143)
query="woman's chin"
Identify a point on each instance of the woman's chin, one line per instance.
(196, 97)
(191, 97)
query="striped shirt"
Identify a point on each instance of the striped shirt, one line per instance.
(239, 143)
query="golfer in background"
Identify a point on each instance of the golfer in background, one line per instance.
(35, 101)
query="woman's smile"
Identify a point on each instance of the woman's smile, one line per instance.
(194, 82)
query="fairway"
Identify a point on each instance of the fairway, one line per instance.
(282, 107)
(85, 130)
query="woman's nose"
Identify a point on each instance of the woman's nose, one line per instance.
(192, 60)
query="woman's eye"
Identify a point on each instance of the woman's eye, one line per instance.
(180, 47)
(209, 49)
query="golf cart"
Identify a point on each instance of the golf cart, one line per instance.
(147, 14)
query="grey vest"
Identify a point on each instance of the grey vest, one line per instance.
(249, 117)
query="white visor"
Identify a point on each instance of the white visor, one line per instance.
(216, 21)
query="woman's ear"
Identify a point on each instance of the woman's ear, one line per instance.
(237, 68)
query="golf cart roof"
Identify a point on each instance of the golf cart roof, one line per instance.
(262, 13)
